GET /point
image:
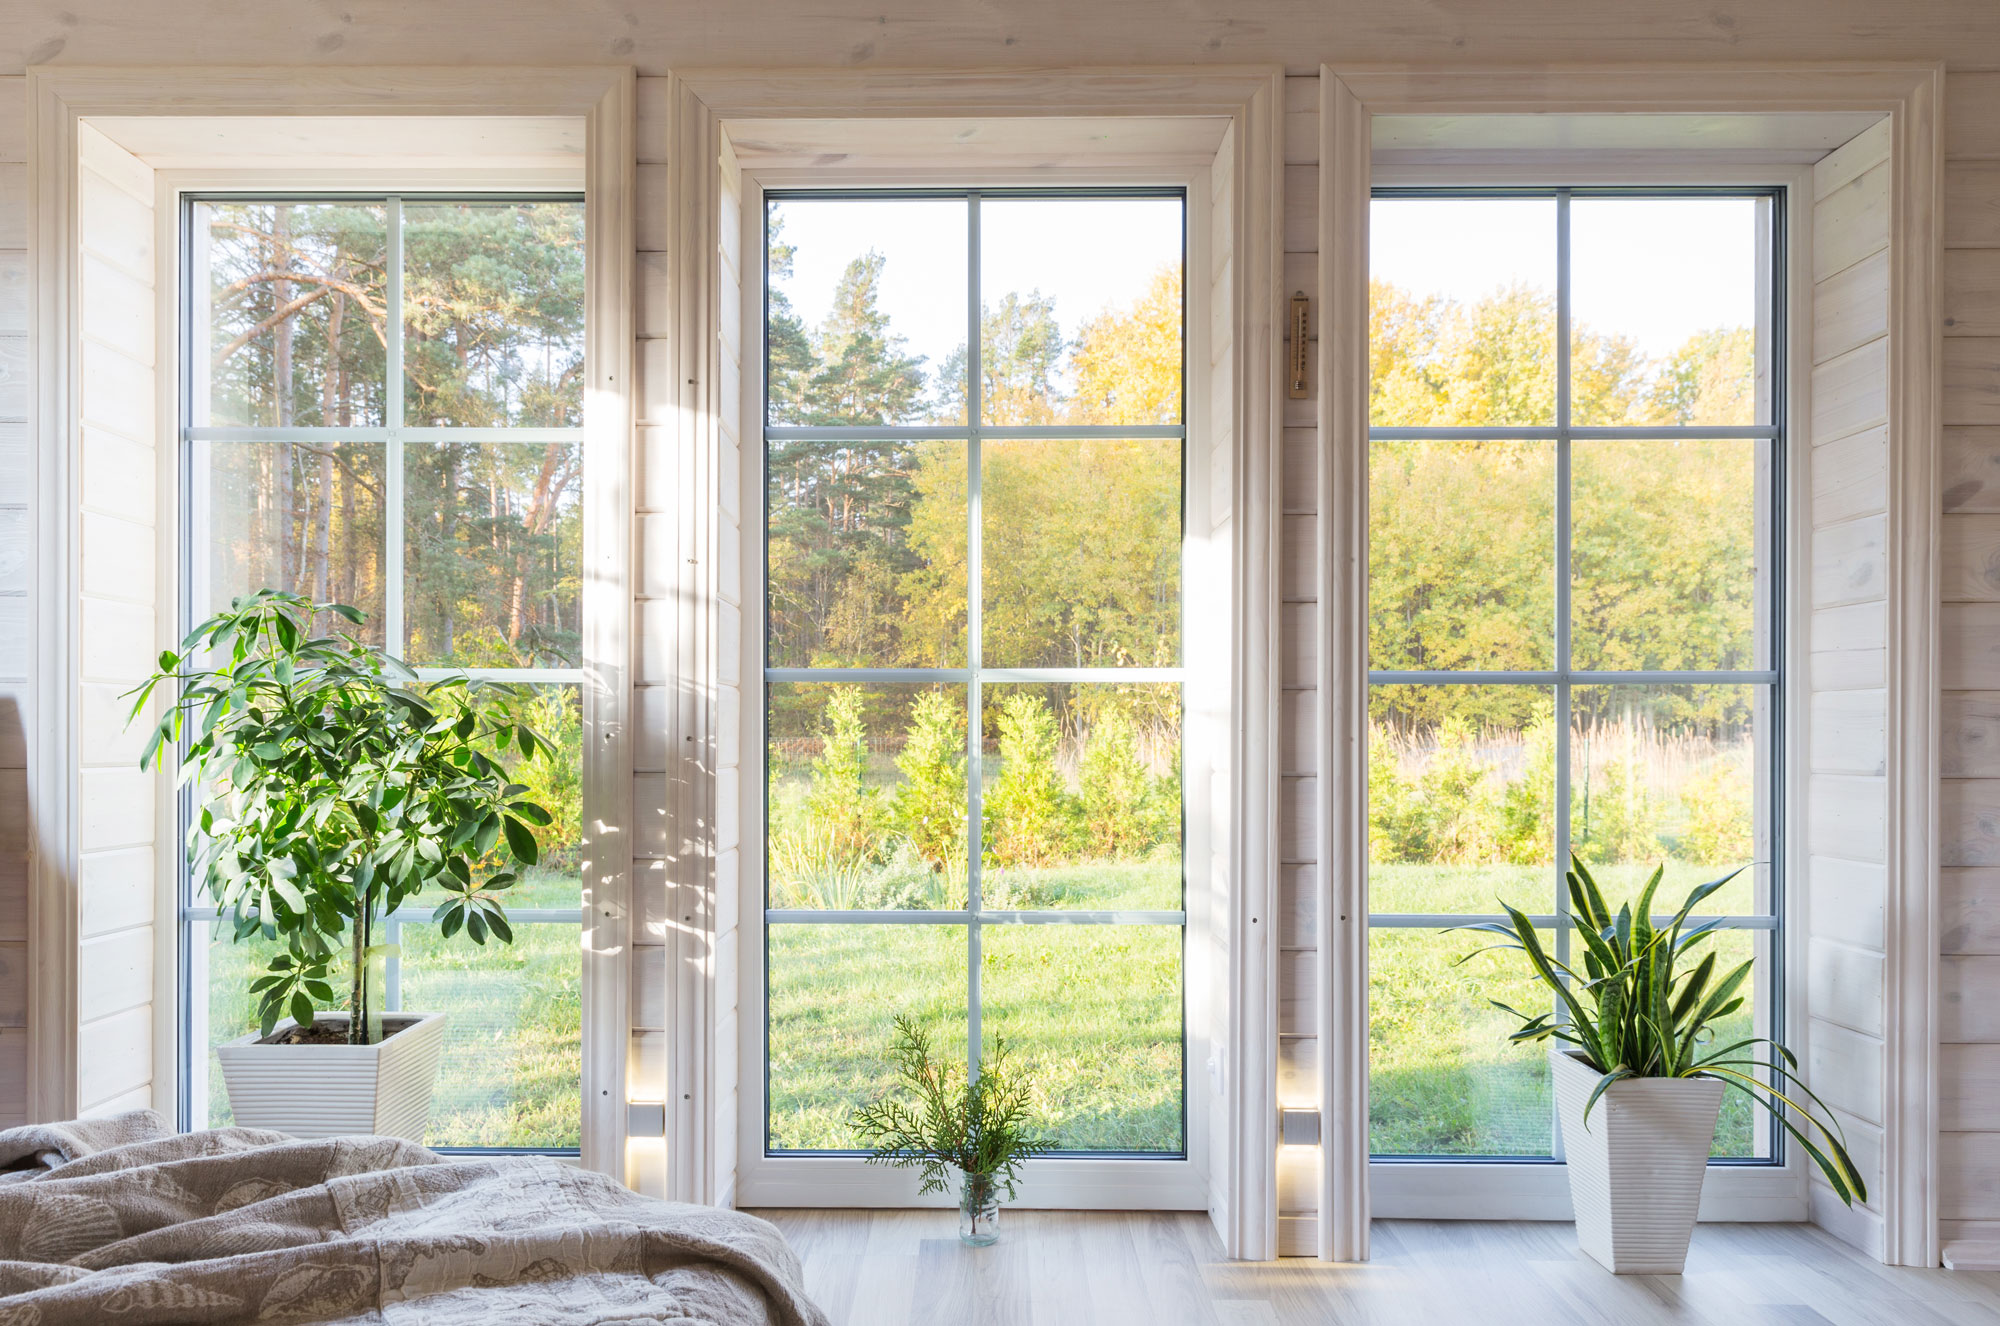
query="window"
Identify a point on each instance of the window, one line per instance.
(1577, 442)
(427, 468)
(973, 681)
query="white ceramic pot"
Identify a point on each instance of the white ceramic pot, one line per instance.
(337, 1090)
(1635, 1172)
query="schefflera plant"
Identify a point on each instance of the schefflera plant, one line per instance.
(1643, 1006)
(333, 785)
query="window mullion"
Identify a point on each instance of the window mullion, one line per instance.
(1562, 623)
(392, 452)
(974, 654)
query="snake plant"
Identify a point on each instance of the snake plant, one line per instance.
(1643, 1006)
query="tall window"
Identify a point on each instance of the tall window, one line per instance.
(1574, 642)
(973, 658)
(382, 406)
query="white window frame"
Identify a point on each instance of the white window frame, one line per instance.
(1059, 1182)
(214, 129)
(1471, 1188)
(999, 127)
(1907, 96)
(172, 191)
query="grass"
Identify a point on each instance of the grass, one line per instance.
(1092, 1012)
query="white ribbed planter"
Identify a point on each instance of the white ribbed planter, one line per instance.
(337, 1090)
(1635, 1173)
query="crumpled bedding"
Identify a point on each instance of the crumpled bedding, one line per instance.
(121, 1220)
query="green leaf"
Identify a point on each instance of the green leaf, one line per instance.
(302, 1009)
(521, 841)
(475, 926)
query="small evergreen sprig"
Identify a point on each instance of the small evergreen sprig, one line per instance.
(981, 1127)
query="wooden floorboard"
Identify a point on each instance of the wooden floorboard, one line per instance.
(1091, 1268)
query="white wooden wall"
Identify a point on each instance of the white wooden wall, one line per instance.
(1299, 973)
(117, 806)
(1969, 664)
(16, 571)
(1845, 785)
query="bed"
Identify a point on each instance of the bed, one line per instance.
(121, 1220)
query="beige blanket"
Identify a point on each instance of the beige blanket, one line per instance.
(119, 1220)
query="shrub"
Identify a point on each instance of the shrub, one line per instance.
(930, 805)
(1113, 787)
(841, 808)
(1716, 802)
(1028, 812)
(554, 778)
(1611, 815)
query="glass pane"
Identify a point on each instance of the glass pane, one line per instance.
(1461, 798)
(866, 553)
(1461, 555)
(493, 314)
(512, 1073)
(220, 974)
(1462, 312)
(299, 516)
(1743, 1130)
(1442, 1079)
(1081, 553)
(1673, 775)
(1081, 797)
(835, 992)
(493, 540)
(1093, 1014)
(867, 802)
(1665, 298)
(865, 320)
(1081, 310)
(1667, 537)
(295, 307)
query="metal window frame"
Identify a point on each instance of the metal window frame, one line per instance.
(394, 435)
(1771, 972)
(974, 675)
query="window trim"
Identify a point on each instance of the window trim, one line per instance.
(876, 117)
(63, 102)
(1906, 97)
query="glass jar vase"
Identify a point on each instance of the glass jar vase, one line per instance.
(978, 1210)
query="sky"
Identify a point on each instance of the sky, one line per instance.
(1089, 254)
(1654, 269)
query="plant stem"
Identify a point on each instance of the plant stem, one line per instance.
(358, 1019)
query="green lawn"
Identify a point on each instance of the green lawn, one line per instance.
(1092, 1012)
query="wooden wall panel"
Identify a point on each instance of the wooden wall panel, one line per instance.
(1969, 663)
(17, 574)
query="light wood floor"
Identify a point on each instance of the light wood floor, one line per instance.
(907, 1268)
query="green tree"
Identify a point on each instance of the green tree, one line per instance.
(839, 801)
(1113, 786)
(931, 803)
(1027, 810)
(863, 375)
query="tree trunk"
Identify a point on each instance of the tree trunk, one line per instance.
(328, 401)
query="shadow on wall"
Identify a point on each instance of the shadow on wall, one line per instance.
(13, 913)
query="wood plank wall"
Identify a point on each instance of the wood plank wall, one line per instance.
(1845, 785)
(16, 604)
(1969, 666)
(117, 806)
(1299, 971)
(655, 539)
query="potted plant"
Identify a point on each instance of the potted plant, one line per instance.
(333, 787)
(979, 1127)
(1639, 1024)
